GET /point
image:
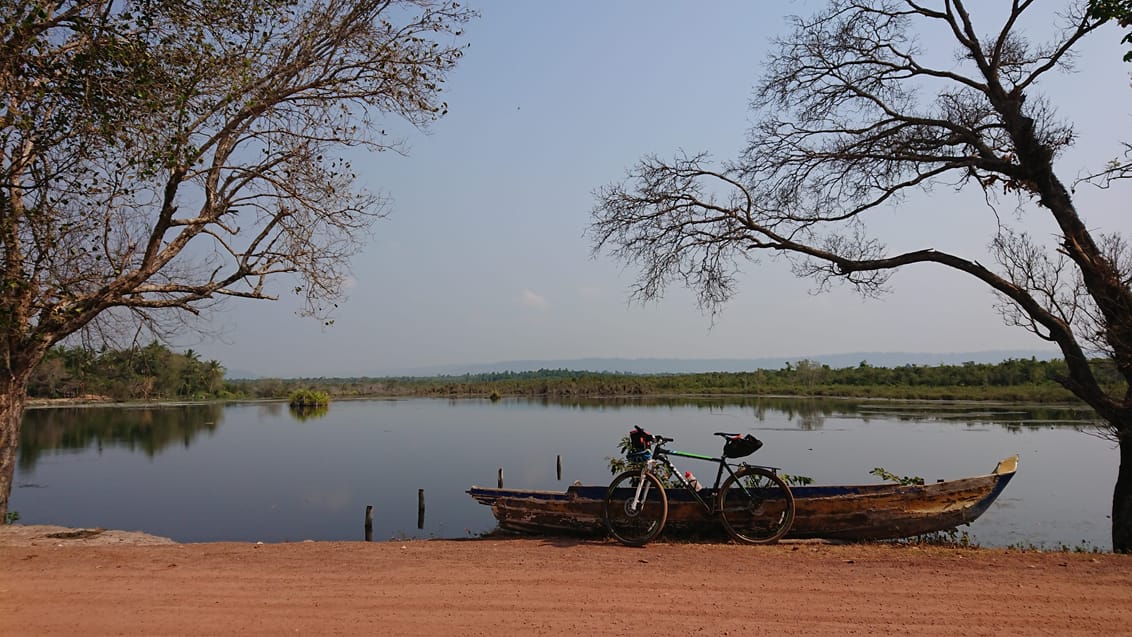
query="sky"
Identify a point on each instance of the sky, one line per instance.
(484, 256)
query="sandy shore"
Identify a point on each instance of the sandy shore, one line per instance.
(113, 583)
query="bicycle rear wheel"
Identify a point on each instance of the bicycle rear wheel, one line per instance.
(635, 522)
(756, 506)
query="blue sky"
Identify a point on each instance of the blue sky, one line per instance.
(484, 257)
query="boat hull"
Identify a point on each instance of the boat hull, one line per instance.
(853, 512)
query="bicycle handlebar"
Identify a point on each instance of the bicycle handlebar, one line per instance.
(657, 438)
(660, 440)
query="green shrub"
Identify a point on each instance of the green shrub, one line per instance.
(309, 398)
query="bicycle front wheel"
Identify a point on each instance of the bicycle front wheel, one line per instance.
(635, 516)
(756, 506)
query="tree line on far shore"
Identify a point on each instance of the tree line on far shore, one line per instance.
(154, 372)
(151, 372)
(1028, 380)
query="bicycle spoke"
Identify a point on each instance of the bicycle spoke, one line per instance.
(756, 506)
(631, 520)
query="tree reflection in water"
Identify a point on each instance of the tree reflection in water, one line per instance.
(145, 429)
(303, 413)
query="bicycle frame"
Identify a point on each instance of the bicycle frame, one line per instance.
(660, 457)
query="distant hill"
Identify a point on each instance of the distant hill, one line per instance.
(704, 365)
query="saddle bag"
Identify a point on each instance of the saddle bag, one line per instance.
(741, 446)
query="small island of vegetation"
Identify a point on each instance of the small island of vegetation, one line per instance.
(302, 398)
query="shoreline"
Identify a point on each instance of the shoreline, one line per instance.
(13, 535)
(101, 401)
(23, 535)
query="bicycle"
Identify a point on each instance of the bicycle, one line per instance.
(754, 504)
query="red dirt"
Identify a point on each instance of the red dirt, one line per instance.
(52, 586)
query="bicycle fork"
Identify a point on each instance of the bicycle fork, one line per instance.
(640, 494)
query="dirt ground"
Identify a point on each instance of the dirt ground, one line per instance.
(101, 583)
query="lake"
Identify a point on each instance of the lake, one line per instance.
(259, 472)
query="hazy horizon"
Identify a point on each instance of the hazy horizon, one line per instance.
(683, 365)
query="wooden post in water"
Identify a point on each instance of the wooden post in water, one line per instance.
(420, 508)
(369, 523)
(500, 477)
(560, 467)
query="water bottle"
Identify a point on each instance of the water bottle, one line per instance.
(692, 481)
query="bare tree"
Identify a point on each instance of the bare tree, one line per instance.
(157, 156)
(851, 116)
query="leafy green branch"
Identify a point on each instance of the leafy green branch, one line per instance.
(888, 476)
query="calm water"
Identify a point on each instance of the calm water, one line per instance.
(252, 472)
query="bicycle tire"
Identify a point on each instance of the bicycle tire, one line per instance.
(760, 513)
(635, 528)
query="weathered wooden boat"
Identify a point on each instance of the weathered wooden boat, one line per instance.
(855, 512)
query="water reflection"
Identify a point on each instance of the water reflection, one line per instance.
(151, 429)
(303, 413)
(270, 410)
(145, 429)
(810, 413)
(268, 474)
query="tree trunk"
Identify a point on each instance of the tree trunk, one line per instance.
(1122, 497)
(13, 393)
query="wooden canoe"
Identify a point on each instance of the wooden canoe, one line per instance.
(854, 512)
